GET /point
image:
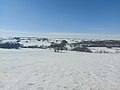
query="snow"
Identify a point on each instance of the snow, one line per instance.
(34, 42)
(4, 41)
(37, 69)
(104, 50)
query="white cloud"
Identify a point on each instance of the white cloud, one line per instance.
(13, 33)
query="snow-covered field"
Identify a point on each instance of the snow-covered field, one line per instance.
(36, 69)
(104, 50)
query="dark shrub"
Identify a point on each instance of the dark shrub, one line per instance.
(57, 47)
(38, 39)
(26, 41)
(17, 38)
(33, 46)
(64, 42)
(109, 47)
(81, 49)
(36, 46)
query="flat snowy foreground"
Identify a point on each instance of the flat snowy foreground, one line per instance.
(36, 69)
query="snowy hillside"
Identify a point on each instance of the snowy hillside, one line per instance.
(95, 45)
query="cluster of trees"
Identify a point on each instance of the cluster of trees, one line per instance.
(59, 47)
(10, 45)
(102, 43)
(62, 46)
(36, 46)
(42, 39)
(81, 49)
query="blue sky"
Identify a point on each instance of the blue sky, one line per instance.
(78, 16)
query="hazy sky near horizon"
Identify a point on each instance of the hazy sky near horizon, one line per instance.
(79, 16)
